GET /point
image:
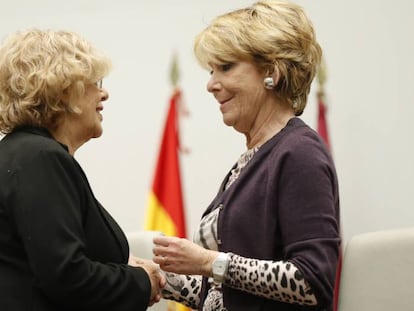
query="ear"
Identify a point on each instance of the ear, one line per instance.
(65, 97)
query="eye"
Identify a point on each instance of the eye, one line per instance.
(226, 67)
(221, 68)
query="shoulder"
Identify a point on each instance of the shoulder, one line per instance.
(34, 138)
(33, 146)
(298, 147)
(298, 133)
(298, 139)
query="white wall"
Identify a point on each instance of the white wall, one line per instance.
(368, 48)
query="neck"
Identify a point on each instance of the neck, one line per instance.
(272, 122)
(65, 135)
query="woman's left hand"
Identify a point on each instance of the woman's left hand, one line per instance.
(182, 256)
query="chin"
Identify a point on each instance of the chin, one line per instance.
(98, 132)
(228, 122)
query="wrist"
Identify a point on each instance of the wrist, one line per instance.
(207, 265)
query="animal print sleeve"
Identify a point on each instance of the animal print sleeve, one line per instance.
(277, 280)
(183, 288)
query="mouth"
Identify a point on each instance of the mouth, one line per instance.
(222, 102)
(98, 111)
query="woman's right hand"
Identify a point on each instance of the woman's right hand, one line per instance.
(157, 279)
(182, 256)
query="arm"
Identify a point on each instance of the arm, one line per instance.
(307, 212)
(309, 215)
(183, 288)
(276, 280)
(49, 214)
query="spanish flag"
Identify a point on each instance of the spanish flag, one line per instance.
(165, 212)
(165, 206)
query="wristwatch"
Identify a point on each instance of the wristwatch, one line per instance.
(219, 267)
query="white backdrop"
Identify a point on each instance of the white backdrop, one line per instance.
(369, 48)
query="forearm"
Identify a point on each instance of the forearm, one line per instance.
(276, 280)
(182, 288)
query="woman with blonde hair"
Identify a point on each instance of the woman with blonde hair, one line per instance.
(270, 238)
(59, 248)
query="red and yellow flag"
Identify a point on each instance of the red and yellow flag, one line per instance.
(165, 211)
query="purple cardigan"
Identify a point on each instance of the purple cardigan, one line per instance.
(283, 206)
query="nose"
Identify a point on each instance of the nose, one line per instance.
(104, 94)
(213, 84)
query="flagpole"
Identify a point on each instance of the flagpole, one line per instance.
(174, 72)
(321, 76)
(181, 107)
(322, 127)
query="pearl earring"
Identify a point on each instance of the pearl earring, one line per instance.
(269, 83)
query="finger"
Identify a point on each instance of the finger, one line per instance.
(154, 300)
(165, 263)
(139, 261)
(163, 240)
(163, 280)
(158, 259)
(159, 250)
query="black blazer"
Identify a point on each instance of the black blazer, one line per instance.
(59, 248)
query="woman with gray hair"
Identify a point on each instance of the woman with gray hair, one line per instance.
(59, 248)
(270, 238)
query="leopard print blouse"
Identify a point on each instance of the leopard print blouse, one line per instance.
(277, 280)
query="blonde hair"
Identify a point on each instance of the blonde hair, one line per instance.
(276, 35)
(36, 68)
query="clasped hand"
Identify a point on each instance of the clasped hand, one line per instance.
(157, 279)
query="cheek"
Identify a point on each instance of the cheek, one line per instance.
(91, 96)
(258, 95)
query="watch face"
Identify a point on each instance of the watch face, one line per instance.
(219, 267)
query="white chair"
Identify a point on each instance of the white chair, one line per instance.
(140, 244)
(378, 272)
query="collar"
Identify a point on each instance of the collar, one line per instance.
(36, 130)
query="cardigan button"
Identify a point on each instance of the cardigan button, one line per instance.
(219, 242)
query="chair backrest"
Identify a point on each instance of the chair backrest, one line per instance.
(140, 244)
(378, 272)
